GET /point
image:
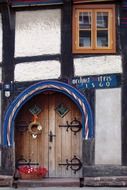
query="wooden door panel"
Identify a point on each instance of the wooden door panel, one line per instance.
(43, 138)
(69, 141)
(76, 139)
(66, 139)
(58, 139)
(52, 145)
(63, 146)
(22, 139)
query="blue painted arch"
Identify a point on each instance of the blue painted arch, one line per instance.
(23, 97)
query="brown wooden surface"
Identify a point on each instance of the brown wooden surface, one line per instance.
(92, 1)
(63, 146)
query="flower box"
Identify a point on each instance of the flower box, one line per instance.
(27, 172)
(30, 176)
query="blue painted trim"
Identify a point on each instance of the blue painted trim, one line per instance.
(42, 84)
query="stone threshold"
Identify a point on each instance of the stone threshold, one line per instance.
(47, 182)
(105, 181)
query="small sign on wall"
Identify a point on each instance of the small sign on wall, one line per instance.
(97, 81)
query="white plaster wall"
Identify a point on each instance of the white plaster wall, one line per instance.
(98, 65)
(38, 32)
(108, 126)
(37, 71)
(0, 39)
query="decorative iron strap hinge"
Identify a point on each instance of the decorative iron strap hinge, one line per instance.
(74, 164)
(24, 162)
(75, 126)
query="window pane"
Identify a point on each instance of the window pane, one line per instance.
(102, 20)
(85, 38)
(102, 38)
(85, 20)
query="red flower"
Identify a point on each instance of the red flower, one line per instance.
(31, 170)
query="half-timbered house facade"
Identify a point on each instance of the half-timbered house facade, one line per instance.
(63, 87)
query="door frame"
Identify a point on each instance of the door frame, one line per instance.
(28, 93)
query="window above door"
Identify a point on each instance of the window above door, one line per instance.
(94, 28)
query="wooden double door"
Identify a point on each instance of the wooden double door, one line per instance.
(58, 147)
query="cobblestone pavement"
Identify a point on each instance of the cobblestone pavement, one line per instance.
(66, 188)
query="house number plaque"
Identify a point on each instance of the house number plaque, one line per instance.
(97, 81)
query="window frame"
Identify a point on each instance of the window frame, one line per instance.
(95, 8)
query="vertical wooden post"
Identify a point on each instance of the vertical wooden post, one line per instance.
(123, 34)
(67, 70)
(8, 26)
(8, 23)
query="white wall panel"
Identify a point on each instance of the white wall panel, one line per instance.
(98, 65)
(108, 126)
(37, 71)
(0, 39)
(38, 32)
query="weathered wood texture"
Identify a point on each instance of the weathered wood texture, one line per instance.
(8, 27)
(8, 24)
(67, 69)
(8, 165)
(123, 34)
(64, 145)
(88, 151)
(35, 58)
(91, 1)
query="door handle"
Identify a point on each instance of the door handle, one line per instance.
(51, 136)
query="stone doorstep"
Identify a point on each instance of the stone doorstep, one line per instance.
(6, 181)
(48, 182)
(112, 181)
(107, 181)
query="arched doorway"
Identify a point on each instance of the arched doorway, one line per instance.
(77, 106)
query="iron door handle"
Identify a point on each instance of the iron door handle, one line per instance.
(51, 136)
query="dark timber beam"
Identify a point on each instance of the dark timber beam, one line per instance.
(123, 34)
(8, 24)
(8, 27)
(3, 1)
(66, 40)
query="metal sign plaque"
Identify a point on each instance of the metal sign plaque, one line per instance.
(97, 81)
